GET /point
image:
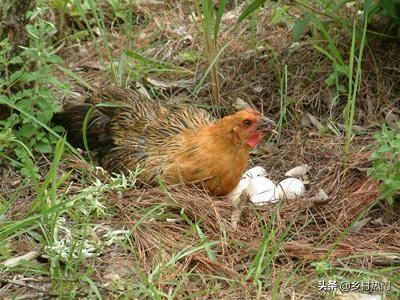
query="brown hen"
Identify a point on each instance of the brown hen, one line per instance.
(181, 144)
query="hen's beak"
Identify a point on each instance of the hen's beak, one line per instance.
(267, 125)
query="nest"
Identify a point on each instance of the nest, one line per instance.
(309, 231)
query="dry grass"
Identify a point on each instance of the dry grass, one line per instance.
(309, 230)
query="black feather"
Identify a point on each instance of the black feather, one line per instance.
(72, 119)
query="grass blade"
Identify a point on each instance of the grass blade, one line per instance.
(254, 5)
(93, 287)
(218, 17)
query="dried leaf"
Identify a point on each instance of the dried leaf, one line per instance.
(240, 104)
(356, 129)
(142, 90)
(360, 224)
(321, 197)
(12, 262)
(315, 122)
(258, 89)
(187, 40)
(378, 222)
(392, 118)
(171, 84)
(387, 261)
(298, 171)
(305, 121)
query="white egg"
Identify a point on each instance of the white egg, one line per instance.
(265, 197)
(259, 185)
(237, 191)
(291, 188)
(256, 172)
(262, 190)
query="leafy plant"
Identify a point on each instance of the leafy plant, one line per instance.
(94, 17)
(341, 69)
(388, 9)
(330, 11)
(386, 163)
(25, 86)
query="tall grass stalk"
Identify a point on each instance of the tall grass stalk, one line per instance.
(283, 97)
(353, 87)
(210, 22)
(122, 73)
(103, 33)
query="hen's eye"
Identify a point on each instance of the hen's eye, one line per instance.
(247, 122)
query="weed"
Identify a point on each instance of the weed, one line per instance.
(353, 87)
(27, 88)
(386, 163)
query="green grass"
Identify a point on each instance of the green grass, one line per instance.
(353, 87)
(62, 225)
(210, 22)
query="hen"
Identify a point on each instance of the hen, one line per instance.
(180, 144)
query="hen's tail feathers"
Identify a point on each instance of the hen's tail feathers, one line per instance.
(97, 132)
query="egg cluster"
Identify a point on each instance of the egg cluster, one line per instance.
(262, 190)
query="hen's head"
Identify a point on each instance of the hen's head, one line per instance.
(248, 127)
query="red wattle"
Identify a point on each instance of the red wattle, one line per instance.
(254, 140)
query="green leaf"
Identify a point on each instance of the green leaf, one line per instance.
(300, 27)
(190, 55)
(342, 69)
(385, 164)
(341, 88)
(26, 131)
(221, 8)
(17, 75)
(93, 287)
(43, 148)
(16, 60)
(59, 4)
(389, 6)
(255, 4)
(331, 80)
(280, 15)
(5, 137)
(368, 5)
(30, 76)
